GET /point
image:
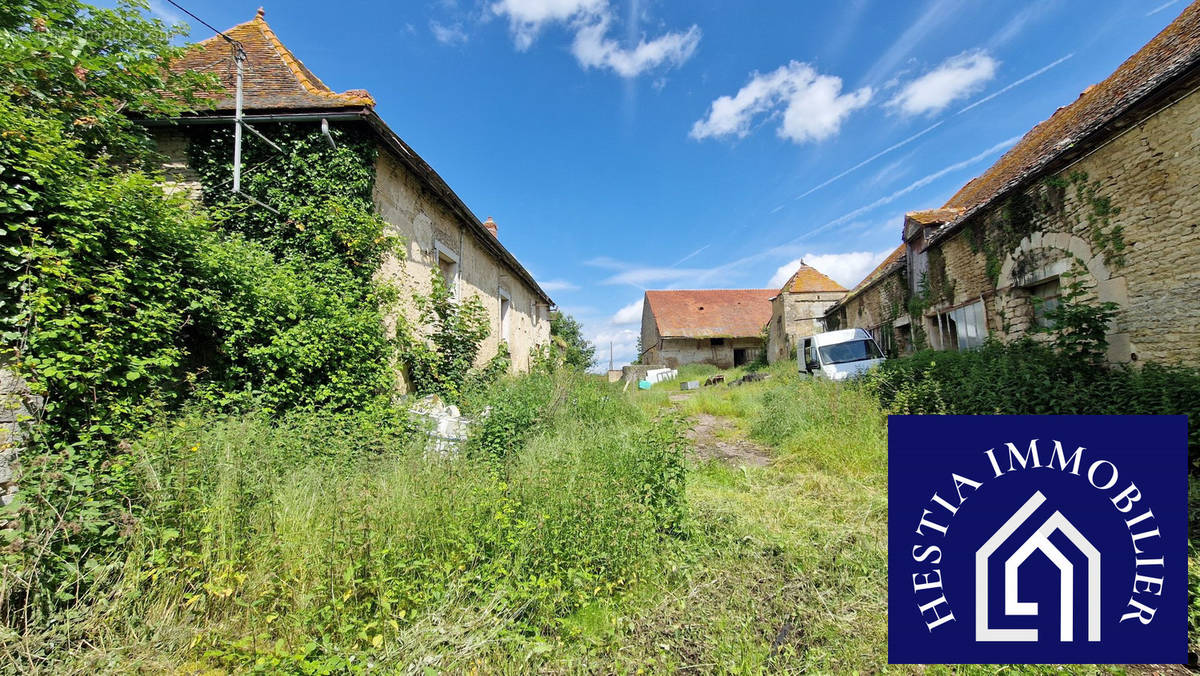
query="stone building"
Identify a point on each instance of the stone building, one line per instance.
(723, 327)
(798, 310)
(877, 304)
(441, 232)
(1104, 195)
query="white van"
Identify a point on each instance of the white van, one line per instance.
(838, 355)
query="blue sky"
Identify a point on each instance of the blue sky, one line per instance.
(626, 145)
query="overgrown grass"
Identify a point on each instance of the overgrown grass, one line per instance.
(335, 542)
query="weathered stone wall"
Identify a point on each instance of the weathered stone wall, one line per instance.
(675, 352)
(1151, 173)
(173, 145)
(880, 309)
(18, 409)
(426, 224)
(794, 316)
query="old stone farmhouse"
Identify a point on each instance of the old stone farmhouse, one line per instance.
(722, 327)
(440, 230)
(798, 310)
(1105, 193)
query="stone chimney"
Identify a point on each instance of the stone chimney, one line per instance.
(491, 227)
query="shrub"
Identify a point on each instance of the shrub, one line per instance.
(1029, 378)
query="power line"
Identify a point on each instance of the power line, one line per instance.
(205, 23)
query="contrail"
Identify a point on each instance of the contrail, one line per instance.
(930, 128)
(1022, 81)
(920, 183)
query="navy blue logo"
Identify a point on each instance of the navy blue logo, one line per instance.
(1037, 539)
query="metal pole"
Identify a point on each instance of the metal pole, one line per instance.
(610, 356)
(239, 56)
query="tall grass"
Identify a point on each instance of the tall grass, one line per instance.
(330, 542)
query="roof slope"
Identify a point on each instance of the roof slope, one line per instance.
(889, 265)
(808, 279)
(711, 313)
(1172, 52)
(274, 78)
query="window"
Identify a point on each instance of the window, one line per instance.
(505, 315)
(1044, 297)
(854, 350)
(447, 262)
(964, 328)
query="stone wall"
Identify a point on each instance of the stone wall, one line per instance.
(173, 145)
(880, 309)
(18, 409)
(431, 232)
(675, 352)
(794, 316)
(1151, 173)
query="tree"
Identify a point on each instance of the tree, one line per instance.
(577, 352)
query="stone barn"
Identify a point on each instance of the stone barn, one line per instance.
(722, 327)
(798, 310)
(1103, 198)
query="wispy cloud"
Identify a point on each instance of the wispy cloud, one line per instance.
(452, 34)
(594, 49)
(955, 78)
(811, 105)
(592, 21)
(1161, 7)
(1013, 27)
(558, 285)
(935, 13)
(860, 165)
(630, 314)
(165, 12)
(915, 185)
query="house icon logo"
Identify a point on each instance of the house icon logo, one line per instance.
(1037, 539)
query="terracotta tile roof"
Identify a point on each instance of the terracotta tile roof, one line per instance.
(808, 279)
(1172, 52)
(711, 313)
(274, 78)
(893, 262)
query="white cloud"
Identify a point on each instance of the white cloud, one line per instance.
(527, 17)
(448, 35)
(630, 314)
(558, 285)
(590, 20)
(847, 269)
(594, 49)
(813, 105)
(956, 78)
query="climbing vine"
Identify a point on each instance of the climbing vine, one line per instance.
(1044, 207)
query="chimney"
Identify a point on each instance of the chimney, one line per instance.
(491, 227)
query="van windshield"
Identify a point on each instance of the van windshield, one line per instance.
(854, 350)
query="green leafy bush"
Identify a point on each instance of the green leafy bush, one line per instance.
(1029, 378)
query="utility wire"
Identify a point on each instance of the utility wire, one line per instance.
(205, 23)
